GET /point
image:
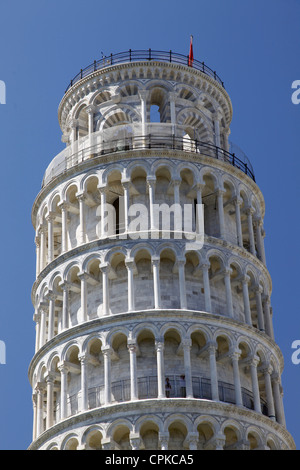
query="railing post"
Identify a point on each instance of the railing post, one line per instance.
(129, 55)
(149, 54)
(111, 58)
(170, 55)
(80, 73)
(95, 67)
(246, 168)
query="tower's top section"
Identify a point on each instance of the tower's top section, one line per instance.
(143, 100)
(158, 77)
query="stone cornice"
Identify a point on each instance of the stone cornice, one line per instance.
(166, 407)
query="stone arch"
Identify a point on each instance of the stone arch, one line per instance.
(100, 96)
(233, 434)
(195, 125)
(92, 437)
(70, 442)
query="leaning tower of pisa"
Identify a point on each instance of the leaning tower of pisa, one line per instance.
(152, 295)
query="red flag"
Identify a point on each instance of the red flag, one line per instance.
(191, 54)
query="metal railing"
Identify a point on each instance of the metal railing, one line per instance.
(147, 388)
(66, 159)
(144, 55)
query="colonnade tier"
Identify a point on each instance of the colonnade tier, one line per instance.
(126, 93)
(128, 359)
(143, 276)
(74, 212)
(201, 425)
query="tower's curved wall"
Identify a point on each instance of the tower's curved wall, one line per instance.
(124, 306)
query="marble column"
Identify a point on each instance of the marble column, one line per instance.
(151, 181)
(182, 287)
(50, 400)
(104, 268)
(221, 213)
(130, 265)
(255, 387)
(259, 309)
(207, 296)
(227, 274)
(268, 387)
(186, 345)
(107, 352)
(156, 284)
(249, 212)
(82, 218)
(247, 311)
(63, 368)
(50, 220)
(132, 348)
(238, 203)
(84, 382)
(159, 345)
(212, 347)
(236, 376)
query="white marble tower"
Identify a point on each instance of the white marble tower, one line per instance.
(121, 307)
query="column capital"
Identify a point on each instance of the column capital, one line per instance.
(104, 267)
(63, 367)
(63, 205)
(199, 186)
(83, 275)
(83, 358)
(176, 181)
(249, 210)
(237, 200)
(186, 343)
(159, 345)
(74, 123)
(131, 345)
(130, 263)
(90, 109)
(181, 261)
(143, 94)
(220, 192)
(266, 369)
(258, 289)
(50, 216)
(227, 271)
(81, 196)
(205, 265)
(155, 260)
(102, 189)
(245, 279)
(257, 220)
(212, 346)
(50, 377)
(235, 354)
(126, 184)
(40, 387)
(151, 180)
(254, 360)
(107, 350)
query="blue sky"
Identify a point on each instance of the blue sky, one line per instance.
(252, 44)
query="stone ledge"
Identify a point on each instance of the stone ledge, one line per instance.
(191, 408)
